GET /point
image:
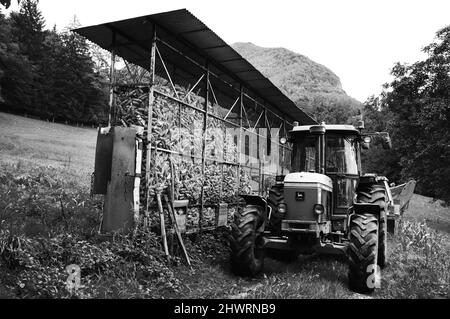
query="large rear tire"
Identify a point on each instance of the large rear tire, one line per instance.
(246, 242)
(363, 252)
(376, 194)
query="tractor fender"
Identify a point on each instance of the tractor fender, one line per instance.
(254, 200)
(372, 179)
(259, 201)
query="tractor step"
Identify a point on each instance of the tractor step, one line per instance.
(281, 243)
(276, 243)
(331, 248)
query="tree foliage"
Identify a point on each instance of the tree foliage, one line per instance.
(415, 108)
(47, 73)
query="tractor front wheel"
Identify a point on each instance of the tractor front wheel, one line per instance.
(363, 273)
(246, 242)
(376, 194)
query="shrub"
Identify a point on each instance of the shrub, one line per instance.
(48, 223)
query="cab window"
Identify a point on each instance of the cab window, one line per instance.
(304, 159)
(340, 155)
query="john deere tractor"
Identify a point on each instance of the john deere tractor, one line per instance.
(326, 205)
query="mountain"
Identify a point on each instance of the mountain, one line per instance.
(312, 86)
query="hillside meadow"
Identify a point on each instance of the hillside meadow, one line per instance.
(48, 220)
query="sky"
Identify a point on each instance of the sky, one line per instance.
(359, 40)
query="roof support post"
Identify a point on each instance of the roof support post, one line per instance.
(263, 153)
(112, 83)
(205, 125)
(241, 107)
(151, 100)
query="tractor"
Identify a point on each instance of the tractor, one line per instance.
(325, 205)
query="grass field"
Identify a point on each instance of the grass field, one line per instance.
(419, 265)
(57, 146)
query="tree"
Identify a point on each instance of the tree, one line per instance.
(16, 71)
(376, 159)
(26, 29)
(29, 25)
(417, 102)
(7, 3)
(48, 73)
(79, 88)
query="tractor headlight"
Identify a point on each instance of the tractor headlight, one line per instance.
(282, 208)
(318, 209)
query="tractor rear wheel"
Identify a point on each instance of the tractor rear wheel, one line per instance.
(363, 252)
(247, 254)
(376, 194)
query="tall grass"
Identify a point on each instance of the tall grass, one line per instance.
(48, 221)
(419, 264)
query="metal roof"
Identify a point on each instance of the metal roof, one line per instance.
(184, 32)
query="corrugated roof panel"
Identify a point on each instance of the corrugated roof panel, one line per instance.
(183, 31)
(178, 20)
(218, 53)
(260, 84)
(201, 39)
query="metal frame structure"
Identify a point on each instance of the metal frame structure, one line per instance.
(243, 99)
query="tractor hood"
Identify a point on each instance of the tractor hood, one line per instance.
(309, 178)
(302, 192)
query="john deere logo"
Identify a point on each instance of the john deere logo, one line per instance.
(300, 196)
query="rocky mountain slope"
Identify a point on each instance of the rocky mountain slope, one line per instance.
(312, 86)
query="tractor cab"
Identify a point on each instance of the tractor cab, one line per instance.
(331, 150)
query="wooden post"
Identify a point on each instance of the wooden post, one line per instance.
(177, 230)
(163, 224)
(151, 98)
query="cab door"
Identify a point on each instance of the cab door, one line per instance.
(342, 167)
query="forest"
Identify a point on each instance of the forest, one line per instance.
(47, 73)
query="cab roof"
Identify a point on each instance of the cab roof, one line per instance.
(341, 128)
